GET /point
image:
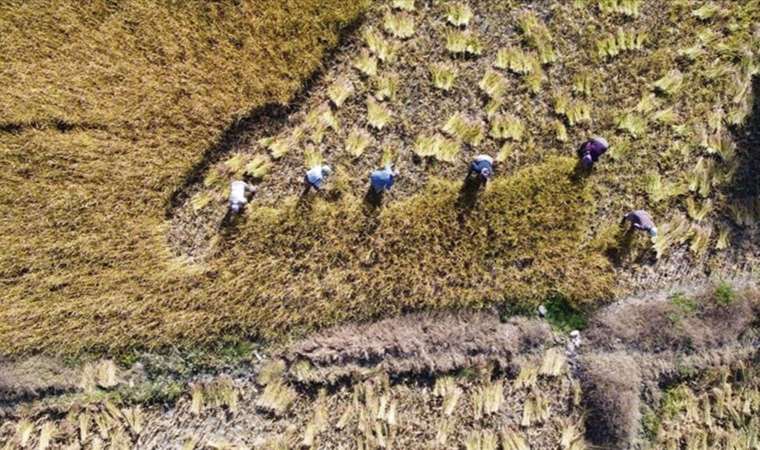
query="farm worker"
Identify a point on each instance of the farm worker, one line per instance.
(482, 166)
(316, 176)
(641, 220)
(240, 194)
(590, 151)
(382, 180)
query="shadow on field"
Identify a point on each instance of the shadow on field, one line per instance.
(271, 117)
(745, 183)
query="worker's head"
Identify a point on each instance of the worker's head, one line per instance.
(235, 207)
(587, 161)
(602, 141)
(652, 232)
(485, 173)
(326, 170)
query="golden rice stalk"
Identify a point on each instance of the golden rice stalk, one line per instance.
(88, 381)
(700, 239)
(386, 87)
(399, 25)
(446, 388)
(271, 372)
(257, 167)
(312, 157)
(106, 374)
(534, 31)
(340, 91)
(280, 146)
(198, 397)
(505, 152)
(707, 11)
(493, 84)
(744, 212)
(535, 409)
(620, 42)
(630, 8)
(572, 437)
(357, 141)
(276, 398)
(583, 84)
(463, 42)
(444, 428)
(560, 131)
(458, 14)
(443, 76)
(47, 430)
(379, 46)
(487, 399)
(671, 83)
(701, 177)
(378, 115)
(366, 64)
(404, 5)
(516, 60)
(675, 232)
(666, 117)
(464, 129)
(698, 213)
(507, 126)
(578, 112)
(235, 164)
(389, 156)
(85, 421)
(535, 79)
(657, 190)
(493, 107)
(134, 418)
(200, 200)
(527, 377)
(481, 440)
(24, 429)
(513, 440)
(634, 124)
(647, 104)
(554, 363)
(345, 418)
(436, 146)
(724, 238)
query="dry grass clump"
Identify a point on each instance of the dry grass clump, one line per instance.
(418, 343)
(611, 384)
(686, 323)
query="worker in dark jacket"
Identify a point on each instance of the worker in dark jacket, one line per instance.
(482, 167)
(641, 220)
(590, 151)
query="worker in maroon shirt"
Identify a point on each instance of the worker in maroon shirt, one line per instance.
(590, 151)
(641, 220)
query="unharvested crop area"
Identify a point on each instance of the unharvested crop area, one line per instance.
(117, 168)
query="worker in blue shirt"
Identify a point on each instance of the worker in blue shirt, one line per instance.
(382, 180)
(482, 167)
(316, 176)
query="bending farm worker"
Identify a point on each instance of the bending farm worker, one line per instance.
(382, 180)
(315, 177)
(590, 151)
(641, 220)
(482, 167)
(240, 194)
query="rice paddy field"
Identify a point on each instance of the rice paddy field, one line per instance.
(122, 124)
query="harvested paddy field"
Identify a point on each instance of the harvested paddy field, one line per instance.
(137, 313)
